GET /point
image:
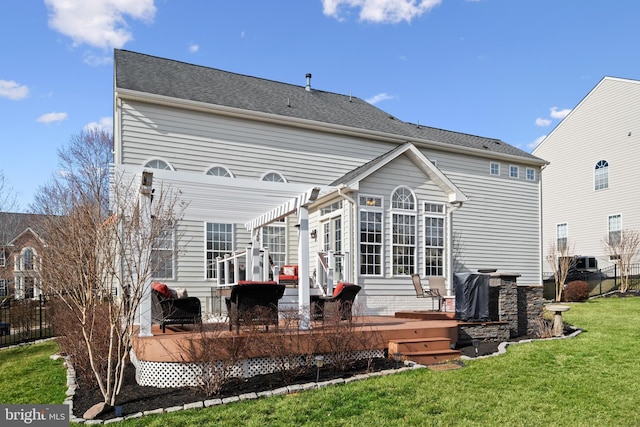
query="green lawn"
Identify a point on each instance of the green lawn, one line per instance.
(28, 375)
(590, 380)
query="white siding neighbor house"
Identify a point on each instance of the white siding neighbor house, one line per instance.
(322, 181)
(593, 154)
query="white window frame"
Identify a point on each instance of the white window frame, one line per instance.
(512, 169)
(440, 216)
(269, 175)
(531, 174)
(4, 288)
(616, 221)
(373, 207)
(161, 252)
(217, 169)
(601, 175)
(212, 253)
(404, 225)
(277, 250)
(494, 169)
(562, 236)
(154, 164)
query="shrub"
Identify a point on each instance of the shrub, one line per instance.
(576, 290)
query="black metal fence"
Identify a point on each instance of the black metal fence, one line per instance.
(25, 320)
(601, 282)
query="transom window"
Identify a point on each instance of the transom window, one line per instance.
(615, 229)
(219, 243)
(403, 231)
(494, 168)
(220, 171)
(561, 236)
(273, 177)
(371, 232)
(601, 175)
(158, 164)
(434, 239)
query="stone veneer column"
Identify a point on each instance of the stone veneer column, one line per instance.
(507, 303)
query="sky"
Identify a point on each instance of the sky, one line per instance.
(506, 69)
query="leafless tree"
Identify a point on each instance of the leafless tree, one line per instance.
(623, 248)
(8, 198)
(98, 258)
(561, 259)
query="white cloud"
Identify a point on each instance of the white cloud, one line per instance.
(193, 48)
(559, 114)
(381, 11)
(98, 23)
(532, 146)
(543, 122)
(379, 97)
(12, 90)
(105, 124)
(52, 117)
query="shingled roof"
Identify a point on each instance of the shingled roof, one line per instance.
(153, 75)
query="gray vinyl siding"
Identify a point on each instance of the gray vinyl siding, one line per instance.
(604, 126)
(193, 141)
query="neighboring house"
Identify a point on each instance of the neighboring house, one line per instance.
(303, 172)
(20, 264)
(593, 155)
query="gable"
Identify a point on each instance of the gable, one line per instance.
(419, 160)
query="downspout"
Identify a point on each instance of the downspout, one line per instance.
(454, 206)
(352, 252)
(541, 228)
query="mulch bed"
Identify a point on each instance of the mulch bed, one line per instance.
(135, 398)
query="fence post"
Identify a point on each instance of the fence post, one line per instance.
(40, 313)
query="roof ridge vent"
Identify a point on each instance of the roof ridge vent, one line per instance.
(308, 87)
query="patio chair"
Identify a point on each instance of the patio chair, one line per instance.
(340, 302)
(254, 302)
(174, 311)
(435, 291)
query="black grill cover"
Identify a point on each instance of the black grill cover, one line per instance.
(472, 297)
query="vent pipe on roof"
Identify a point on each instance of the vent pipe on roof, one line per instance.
(308, 87)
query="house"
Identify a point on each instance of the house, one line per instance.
(592, 171)
(20, 245)
(326, 182)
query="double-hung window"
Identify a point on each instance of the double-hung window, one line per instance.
(274, 239)
(403, 231)
(371, 233)
(162, 250)
(219, 241)
(561, 237)
(4, 291)
(434, 236)
(615, 229)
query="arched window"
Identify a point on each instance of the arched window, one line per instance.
(220, 171)
(158, 164)
(273, 177)
(601, 175)
(403, 231)
(27, 259)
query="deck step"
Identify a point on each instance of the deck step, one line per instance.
(431, 357)
(413, 345)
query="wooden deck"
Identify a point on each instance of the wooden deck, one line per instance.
(424, 337)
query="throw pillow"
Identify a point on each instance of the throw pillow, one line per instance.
(162, 289)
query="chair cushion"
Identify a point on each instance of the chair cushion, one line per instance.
(339, 287)
(162, 289)
(290, 270)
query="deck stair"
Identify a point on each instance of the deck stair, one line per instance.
(425, 351)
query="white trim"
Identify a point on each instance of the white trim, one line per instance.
(231, 175)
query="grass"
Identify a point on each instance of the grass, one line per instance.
(29, 376)
(585, 381)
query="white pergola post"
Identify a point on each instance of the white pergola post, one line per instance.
(304, 299)
(145, 229)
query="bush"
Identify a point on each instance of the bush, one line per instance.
(576, 290)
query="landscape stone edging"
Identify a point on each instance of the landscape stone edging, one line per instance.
(294, 388)
(502, 347)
